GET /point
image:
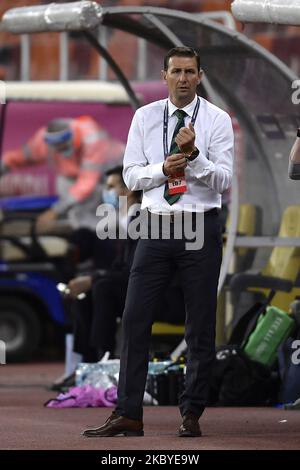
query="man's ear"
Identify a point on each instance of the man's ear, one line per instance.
(163, 74)
(200, 76)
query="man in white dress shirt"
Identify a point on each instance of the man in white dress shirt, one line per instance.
(180, 153)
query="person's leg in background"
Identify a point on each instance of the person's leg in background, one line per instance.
(82, 321)
(108, 294)
(77, 347)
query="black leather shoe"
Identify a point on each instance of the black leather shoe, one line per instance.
(64, 384)
(116, 425)
(190, 426)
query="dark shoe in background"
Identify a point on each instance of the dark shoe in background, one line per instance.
(190, 426)
(64, 384)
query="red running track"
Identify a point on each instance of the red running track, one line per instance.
(26, 424)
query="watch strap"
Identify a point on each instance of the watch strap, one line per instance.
(194, 154)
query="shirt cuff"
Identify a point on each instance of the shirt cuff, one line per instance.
(201, 166)
(158, 176)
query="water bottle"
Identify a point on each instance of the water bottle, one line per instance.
(99, 374)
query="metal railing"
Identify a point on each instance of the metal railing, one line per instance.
(142, 51)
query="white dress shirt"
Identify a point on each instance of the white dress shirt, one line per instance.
(207, 176)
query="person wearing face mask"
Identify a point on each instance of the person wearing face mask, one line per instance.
(79, 149)
(112, 194)
(95, 327)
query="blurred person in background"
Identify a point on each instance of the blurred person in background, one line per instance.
(95, 315)
(95, 298)
(80, 150)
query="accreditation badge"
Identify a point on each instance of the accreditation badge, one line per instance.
(177, 184)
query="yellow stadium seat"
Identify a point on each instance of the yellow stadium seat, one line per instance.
(249, 223)
(281, 272)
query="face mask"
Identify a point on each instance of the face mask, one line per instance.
(110, 196)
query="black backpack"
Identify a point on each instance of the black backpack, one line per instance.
(236, 380)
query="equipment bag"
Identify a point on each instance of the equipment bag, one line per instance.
(237, 380)
(271, 331)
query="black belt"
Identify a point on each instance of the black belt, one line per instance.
(172, 215)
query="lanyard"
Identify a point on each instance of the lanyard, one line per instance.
(166, 119)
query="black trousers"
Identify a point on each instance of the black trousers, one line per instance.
(152, 267)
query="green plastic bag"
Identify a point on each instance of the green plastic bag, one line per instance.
(271, 330)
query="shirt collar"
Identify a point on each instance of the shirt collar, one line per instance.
(189, 108)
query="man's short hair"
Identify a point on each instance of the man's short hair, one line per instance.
(181, 52)
(118, 170)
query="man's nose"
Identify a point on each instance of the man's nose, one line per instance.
(182, 76)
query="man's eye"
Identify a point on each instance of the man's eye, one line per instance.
(178, 71)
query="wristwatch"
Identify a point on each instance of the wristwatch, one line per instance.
(194, 154)
(298, 132)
